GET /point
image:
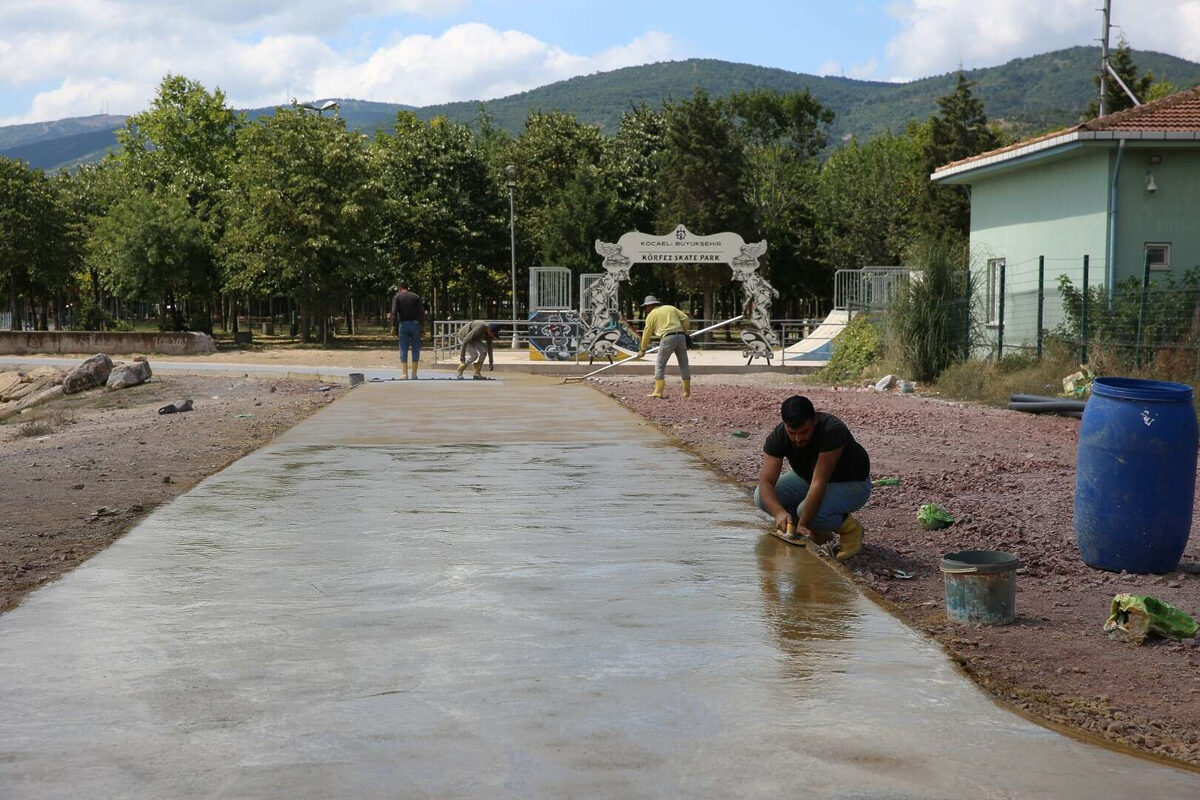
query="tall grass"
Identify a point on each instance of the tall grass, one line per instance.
(929, 323)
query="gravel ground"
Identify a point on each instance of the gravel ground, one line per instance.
(1008, 478)
(77, 473)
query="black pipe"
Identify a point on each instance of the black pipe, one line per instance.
(1037, 398)
(1064, 407)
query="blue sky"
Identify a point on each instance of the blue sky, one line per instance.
(63, 58)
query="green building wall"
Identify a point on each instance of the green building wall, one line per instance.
(1169, 215)
(1054, 208)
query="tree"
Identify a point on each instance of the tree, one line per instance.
(783, 133)
(442, 218)
(32, 228)
(303, 207)
(630, 169)
(153, 247)
(868, 197)
(958, 130)
(184, 145)
(556, 156)
(703, 180)
(1115, 99)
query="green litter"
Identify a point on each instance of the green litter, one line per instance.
(245, 416)
(1133, 617)
(886, 482)
(933, 517)
(741, 434)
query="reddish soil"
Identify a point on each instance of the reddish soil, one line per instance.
(113, 453)
(1008, 478)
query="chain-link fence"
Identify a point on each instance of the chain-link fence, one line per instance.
(1147, 325)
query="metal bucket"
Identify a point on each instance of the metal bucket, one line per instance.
(981, 586)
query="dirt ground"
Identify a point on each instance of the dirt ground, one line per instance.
(78, 472)
(1008, 478)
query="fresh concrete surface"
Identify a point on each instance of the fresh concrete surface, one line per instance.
(494, 590)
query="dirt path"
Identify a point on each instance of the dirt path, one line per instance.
(63, 462)
(1009, 480)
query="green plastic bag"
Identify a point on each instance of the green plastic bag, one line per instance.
(933, 517)
(1133, 617)
(886, 482)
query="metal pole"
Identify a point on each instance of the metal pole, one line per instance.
(1142, 307)
(512, 249)
(1107, 10)
(1041, 300)
(1083, 320)
(1000, 327)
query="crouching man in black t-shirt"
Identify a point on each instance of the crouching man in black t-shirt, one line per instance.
(830, 476)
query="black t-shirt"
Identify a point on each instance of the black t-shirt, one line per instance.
(406, 307)
(830, 434)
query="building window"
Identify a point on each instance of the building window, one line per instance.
(1158, 255)
(994, 266)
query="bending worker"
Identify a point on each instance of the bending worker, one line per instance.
(669, 325)
(406, 318)
(830, 477)
(476, 344)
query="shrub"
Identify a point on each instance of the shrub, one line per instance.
(857, 348)
(929, 322)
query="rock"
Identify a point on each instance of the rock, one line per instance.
(49, 375)
(131, 374)
(177, 408)
(19, 391)
(885, 383)
(9, 380)
(88, 375)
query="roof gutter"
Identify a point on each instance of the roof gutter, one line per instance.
(1057, 141)
(1110, 268)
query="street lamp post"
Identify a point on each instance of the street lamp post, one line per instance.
(326, 106)
(511, 173)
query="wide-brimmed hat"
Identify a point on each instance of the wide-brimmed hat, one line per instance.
(651, 300)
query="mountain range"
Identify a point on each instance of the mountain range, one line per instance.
(1024, 95)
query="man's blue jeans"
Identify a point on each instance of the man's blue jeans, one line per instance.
(840, 499)
(410, 337)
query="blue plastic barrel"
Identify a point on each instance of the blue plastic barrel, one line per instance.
(1135, 477)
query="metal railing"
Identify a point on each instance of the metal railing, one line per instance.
(866, 289)
(446, 333)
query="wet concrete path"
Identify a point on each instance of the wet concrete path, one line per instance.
(494, 590)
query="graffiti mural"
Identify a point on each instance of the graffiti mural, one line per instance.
(554, 335)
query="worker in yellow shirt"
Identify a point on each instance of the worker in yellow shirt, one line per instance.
(669, 325)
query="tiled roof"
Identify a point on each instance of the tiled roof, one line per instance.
(1176, 114)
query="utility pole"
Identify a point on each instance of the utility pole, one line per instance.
(1107, 11)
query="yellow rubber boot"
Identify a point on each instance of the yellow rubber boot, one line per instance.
(403, 370)
(414, 372)
(477, 370)
(658, 389)
(687, 387)
(461, 369)
(851, 536)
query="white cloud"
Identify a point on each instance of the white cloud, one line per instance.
(113, 53)
(865, 70)
(937, 35)
(472, 61)
(830, 67)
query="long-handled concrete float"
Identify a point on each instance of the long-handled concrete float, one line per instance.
(582, 378)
